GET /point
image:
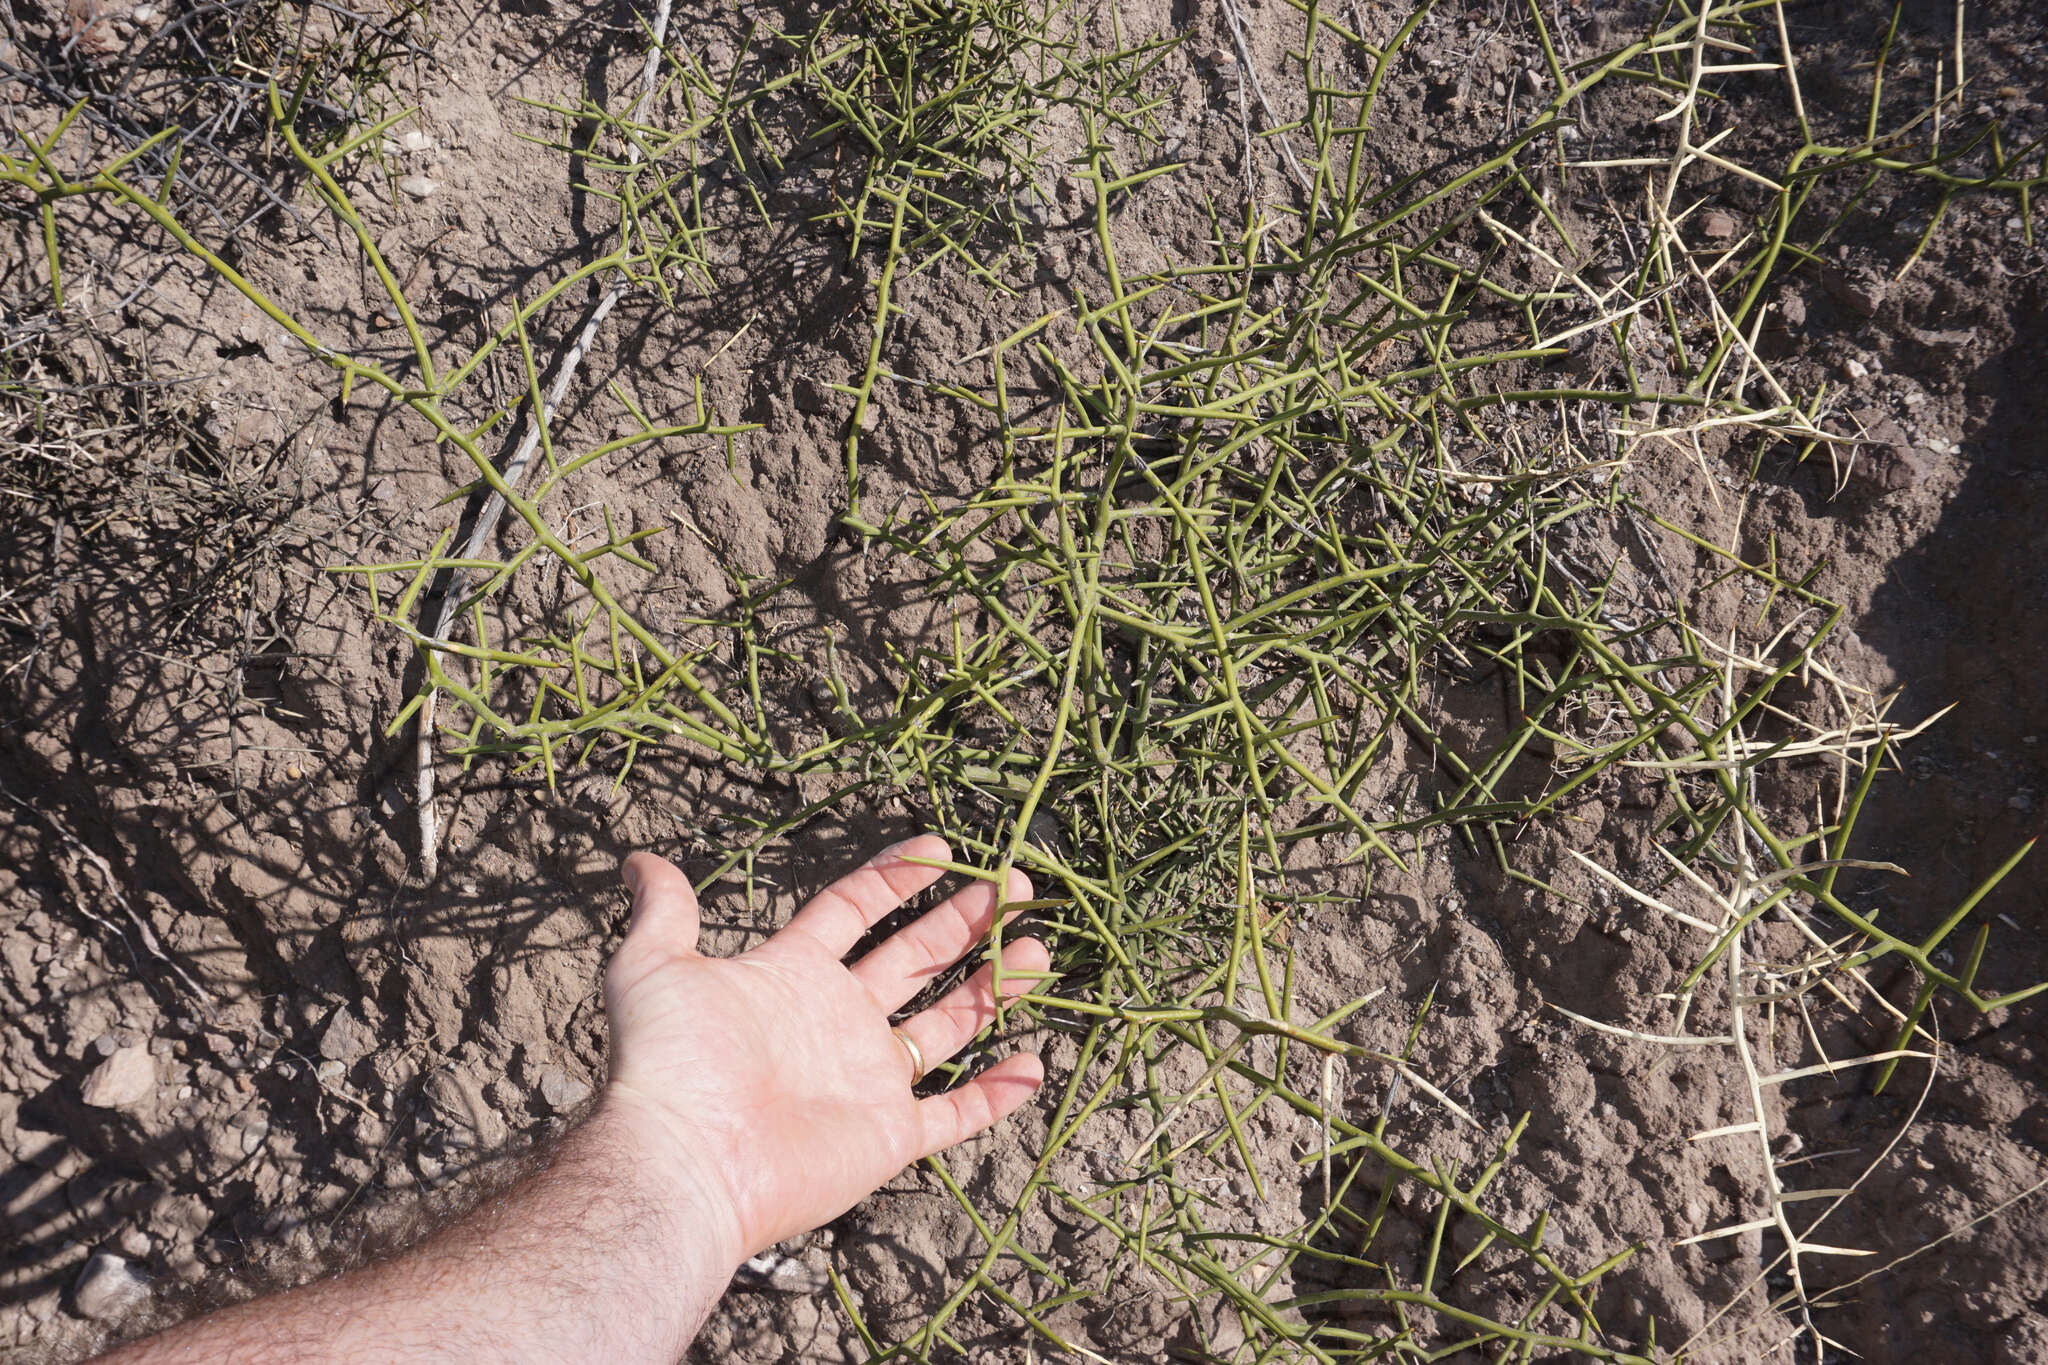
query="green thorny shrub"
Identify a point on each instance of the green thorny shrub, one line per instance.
(1256, 513)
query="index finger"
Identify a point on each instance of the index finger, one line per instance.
(836, 917)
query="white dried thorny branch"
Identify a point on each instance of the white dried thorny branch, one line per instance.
(515, 469)
(1250, 76)
(1756, 990)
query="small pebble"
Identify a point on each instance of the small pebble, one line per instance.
(418, 186)
(294, 772)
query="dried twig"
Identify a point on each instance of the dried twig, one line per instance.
(515, 470)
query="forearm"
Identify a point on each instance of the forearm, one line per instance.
(604, 1253)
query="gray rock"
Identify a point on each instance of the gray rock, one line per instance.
(560, 1091)
(347, 1039)
(418, 186)
(108, 1289)
(124, 1080)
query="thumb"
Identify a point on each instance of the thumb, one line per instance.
(664, 904)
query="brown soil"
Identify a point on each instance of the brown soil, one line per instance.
(192, 738)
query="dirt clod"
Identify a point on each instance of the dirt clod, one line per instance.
(1861, 294)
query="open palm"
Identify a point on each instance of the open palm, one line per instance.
(773, 1077)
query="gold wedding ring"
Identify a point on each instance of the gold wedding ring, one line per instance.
(916, 1054)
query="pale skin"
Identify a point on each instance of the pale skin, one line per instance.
(751, 1098)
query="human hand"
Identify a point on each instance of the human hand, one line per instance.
(770, 1083)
